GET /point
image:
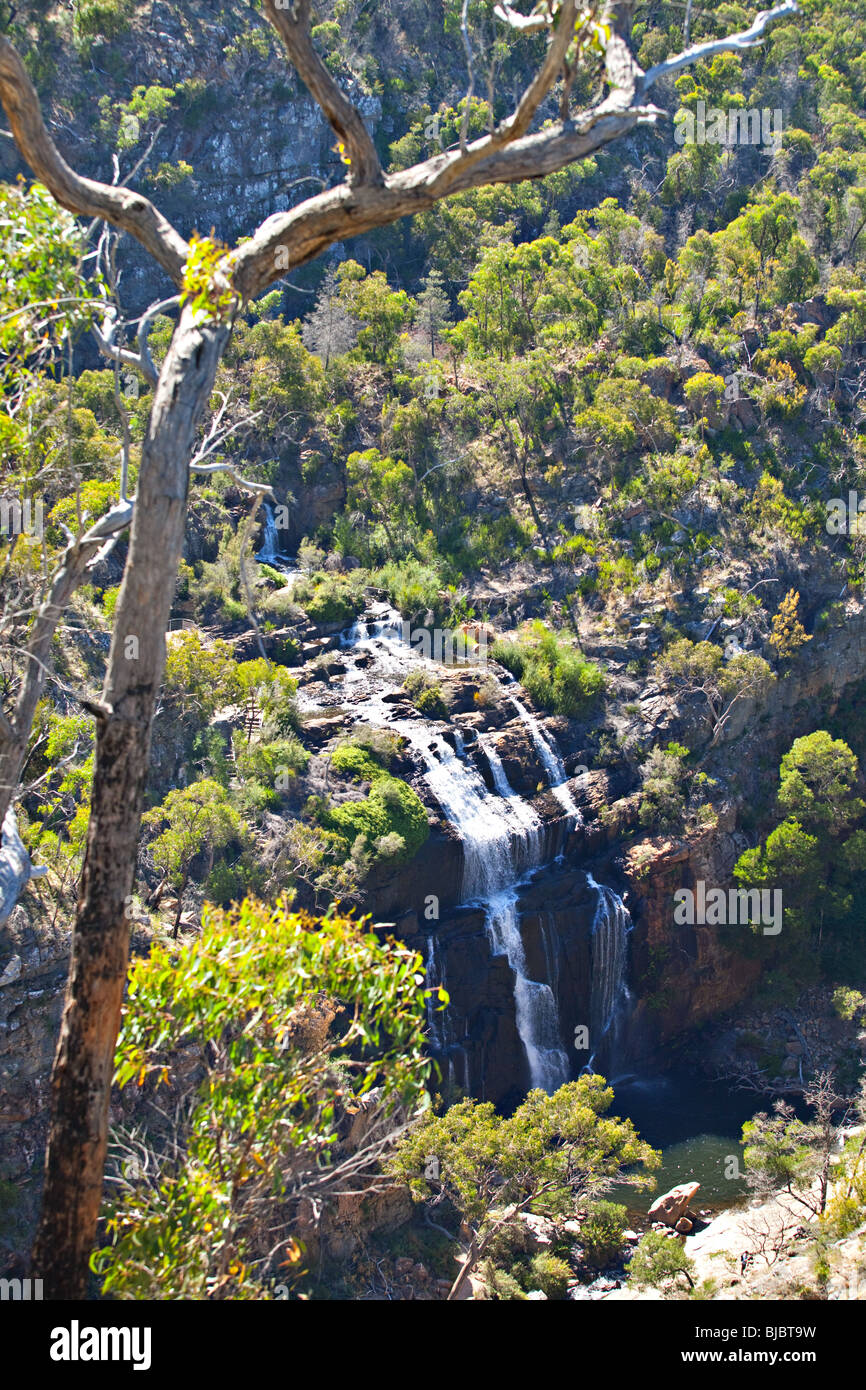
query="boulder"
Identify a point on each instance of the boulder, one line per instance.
(674, 1204)
(538, 1232)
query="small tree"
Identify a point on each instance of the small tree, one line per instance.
(818, 784)
(788, 634)
(699, 668)
(657, 1259)
(196, 819)
(329, 328)
(297, 1024)
(552, 1155)
(433, 311)
(704, 393)
(784, 1154)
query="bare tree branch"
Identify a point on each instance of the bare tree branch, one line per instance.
(735, 43)
(131, 211)
(524, 24)
(293, 27)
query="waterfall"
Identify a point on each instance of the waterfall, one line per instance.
(611, 1000)
(525, 818)
(536, 1012)
(270, 548)
(501, 837)
(551, 762)
(269, 553)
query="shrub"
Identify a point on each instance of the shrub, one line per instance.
(391, 808)
(328, 599)
(550, 1274)
(664, 777)
(413, 587)
(283, 605)
(357, 762)
(601, 1233)
(788, 634)
(558, 677)
(274, 765)
(426, 694)
(502, 1284)
(657, 1259)
(227, 883)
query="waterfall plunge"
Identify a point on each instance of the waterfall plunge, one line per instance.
(611, 999)
(502, 843)
(270, 548)
(270, 553)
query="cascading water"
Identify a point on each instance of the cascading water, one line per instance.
(501, 837)
(550, 761)
(270, 547)
(269, 553)
(503, 841)
(611, 1000)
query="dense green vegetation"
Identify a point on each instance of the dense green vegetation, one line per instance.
(603, 414)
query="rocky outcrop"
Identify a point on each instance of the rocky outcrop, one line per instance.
(672, 1206)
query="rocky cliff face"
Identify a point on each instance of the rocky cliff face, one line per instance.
(680, 976)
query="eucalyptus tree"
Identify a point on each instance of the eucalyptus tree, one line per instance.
(213, 284)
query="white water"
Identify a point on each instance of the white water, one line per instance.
(611, 999)
(551, 762)
(270, 553)
(501, 834)
(537, 1015)
(502, 837)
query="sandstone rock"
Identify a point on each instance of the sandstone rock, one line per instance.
(536, 1296)
(12, 972)
(538, 1232)
(684, 1226)
(672, 1205)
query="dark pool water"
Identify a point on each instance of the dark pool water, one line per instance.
(697, 1125)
